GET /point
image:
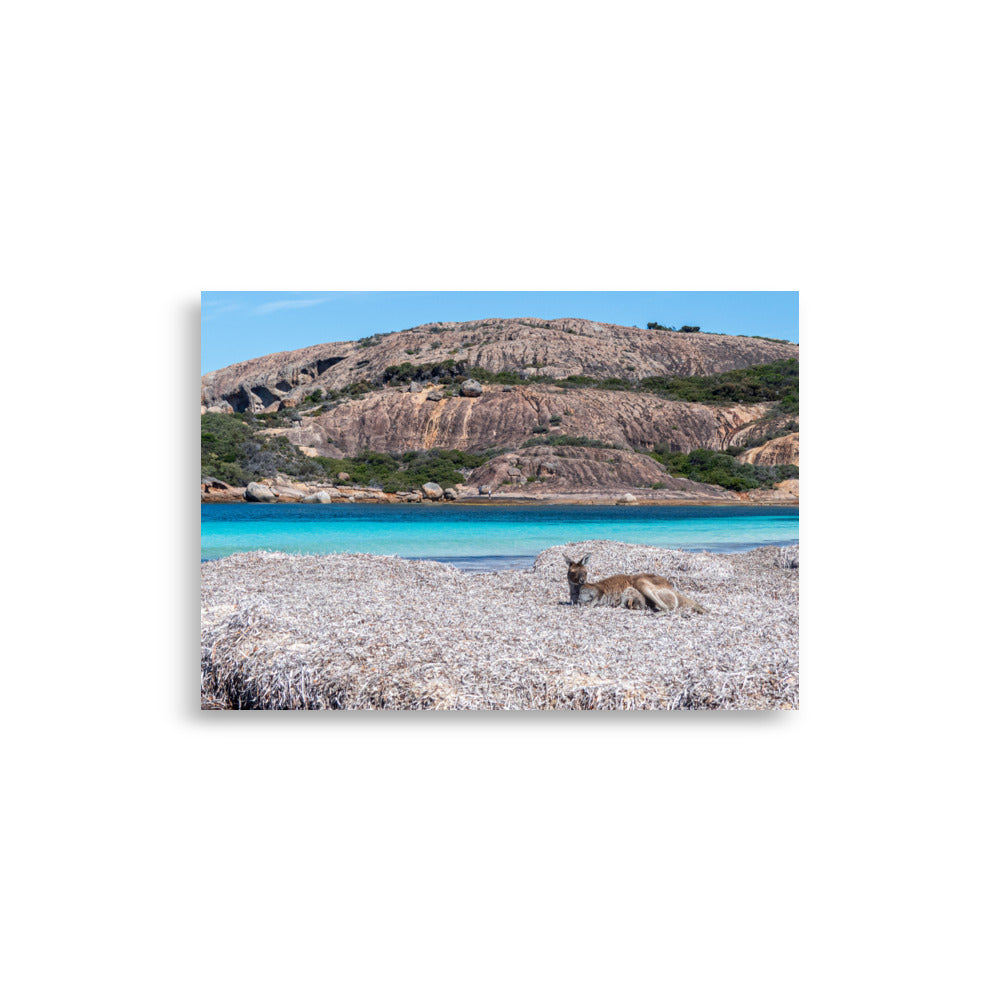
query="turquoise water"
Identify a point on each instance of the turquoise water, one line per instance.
(484, 538)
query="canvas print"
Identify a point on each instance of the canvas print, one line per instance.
(499, 500)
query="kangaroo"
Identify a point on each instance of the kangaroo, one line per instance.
(657, 593)
(577, 576)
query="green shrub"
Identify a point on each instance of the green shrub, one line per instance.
(777, 381)
(407, 471)
(706, 466)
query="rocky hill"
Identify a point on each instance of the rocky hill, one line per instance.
(558, 348)
(531, 421)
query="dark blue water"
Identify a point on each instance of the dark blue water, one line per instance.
(481, 537)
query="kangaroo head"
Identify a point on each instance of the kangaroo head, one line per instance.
(577, 576)
(577, 572)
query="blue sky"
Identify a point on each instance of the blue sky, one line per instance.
(237, 326)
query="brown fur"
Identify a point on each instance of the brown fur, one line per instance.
(627, 597)
(657, 593)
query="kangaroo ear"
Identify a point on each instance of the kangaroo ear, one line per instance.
(585, 559)
(567, 558)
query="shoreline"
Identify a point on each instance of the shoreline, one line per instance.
(493, 561)
(281, 490)
(582, 500)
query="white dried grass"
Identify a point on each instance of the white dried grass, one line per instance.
(363, 631)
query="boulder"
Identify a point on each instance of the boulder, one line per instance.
(507, 388)
(432, 491)
(415, 387)
(344, 477)
(288, 493)
(257, 493)
(627, 498)
(321, 497)
(470, 387)
(434, 395)
(450, 494)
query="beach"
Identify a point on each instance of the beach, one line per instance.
(364, 631)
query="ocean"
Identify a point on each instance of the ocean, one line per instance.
(480, 538)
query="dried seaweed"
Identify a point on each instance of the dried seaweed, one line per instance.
(360, 631)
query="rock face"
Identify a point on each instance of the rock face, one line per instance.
(288, 493)
(547, 469)
(389, 421)
(217, 490)
(777, 451)
(560, 347)
(785, 492)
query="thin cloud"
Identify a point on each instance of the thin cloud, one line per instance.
(270, 307)
(220, 307)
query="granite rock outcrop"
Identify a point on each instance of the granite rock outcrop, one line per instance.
(560, 348)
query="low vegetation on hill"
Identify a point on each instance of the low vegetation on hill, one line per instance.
(410, 470)
(706, 466)
(776, 382)
(234, 450)
(698, 329)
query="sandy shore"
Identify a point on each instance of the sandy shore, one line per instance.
(367, 631)
(642, 497)
(503, 500)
